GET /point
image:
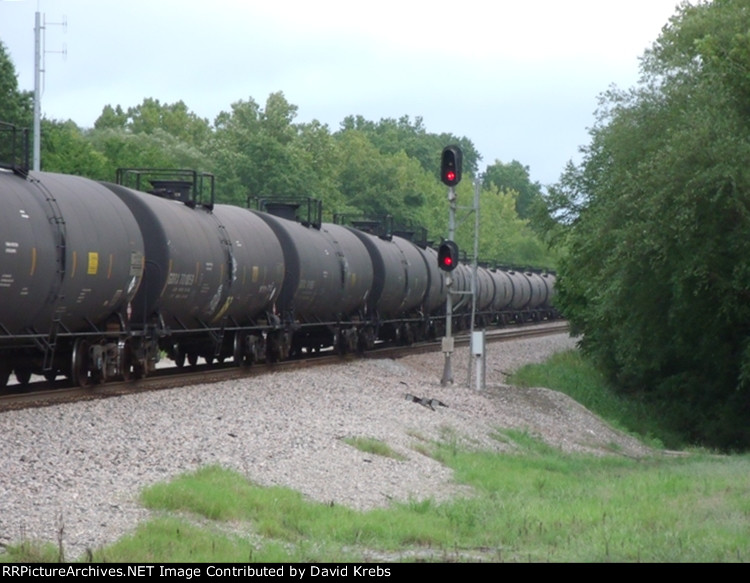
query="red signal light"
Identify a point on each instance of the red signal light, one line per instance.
(450, 165)
(447, 256)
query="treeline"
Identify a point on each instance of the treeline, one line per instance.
(362, 169)
(656, 226)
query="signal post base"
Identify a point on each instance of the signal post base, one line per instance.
(447, 369)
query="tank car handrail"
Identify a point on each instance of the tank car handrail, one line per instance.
(174, 179)
(286, 208)
(16, 161)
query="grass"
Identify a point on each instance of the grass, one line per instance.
(373, 446)
(569, 373)
(534, 505)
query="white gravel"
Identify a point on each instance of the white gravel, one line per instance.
(82, 466)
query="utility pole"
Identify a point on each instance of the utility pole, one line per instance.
(37, 91)
(39, 52)
(477, 339)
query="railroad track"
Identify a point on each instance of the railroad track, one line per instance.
(40, 394)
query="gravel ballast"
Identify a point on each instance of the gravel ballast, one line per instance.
(79, 467)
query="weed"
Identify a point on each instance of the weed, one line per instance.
(373, 446)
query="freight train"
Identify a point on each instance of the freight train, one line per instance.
(102, 280)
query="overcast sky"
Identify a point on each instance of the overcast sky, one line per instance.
(518, 78)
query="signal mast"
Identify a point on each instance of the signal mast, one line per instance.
(450, 175)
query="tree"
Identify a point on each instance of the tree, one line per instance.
(657, 277)
(124, 149)
(514, 176)
(321, 160)
(504, 237)
(151, 116)
(16, 107)
(378, 184)
(152, 135)
(391, 136)
(111, 118)
(256, 151)
(66, 149)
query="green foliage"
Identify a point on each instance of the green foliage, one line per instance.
(256, 152)
(374, 446)
(152, 116)
(66, 149)
(282, 515)
(573, 374)
(514, 176)
(16, 107)
(657, 275)
(31, 552)
(504, 237)
(379, 184)
(171, 539)
(123, 149)
(535, 505)
(391, 136)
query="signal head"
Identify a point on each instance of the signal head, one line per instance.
(448, 256)
(450, 165)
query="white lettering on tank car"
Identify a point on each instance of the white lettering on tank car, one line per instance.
(186, 279)
(11, 247)
(83, 294)
(23, 213)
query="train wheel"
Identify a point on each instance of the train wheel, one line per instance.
(366, 339)
(4, 374)
(256, 348)
(192, 358)
(79, 367)
(139, 371)
(23, 375)
(238, 350)
(126, 360)
(276, 347)
(350, 339)
(339, 347)
(407, 335)
(50, 375)
(178, 355)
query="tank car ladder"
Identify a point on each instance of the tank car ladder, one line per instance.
(48, 344)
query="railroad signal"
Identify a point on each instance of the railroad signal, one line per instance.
(448, 256)
(450, 165)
